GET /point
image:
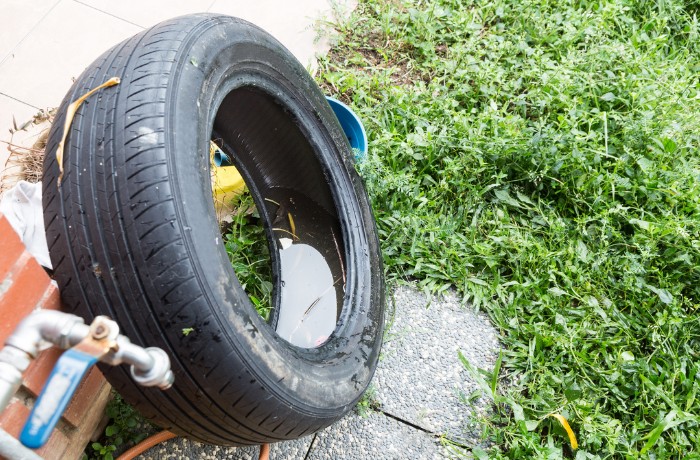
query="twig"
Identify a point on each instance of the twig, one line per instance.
(10, 144)
(340, 257)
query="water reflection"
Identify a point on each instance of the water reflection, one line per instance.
(312, 275)
(308, 307)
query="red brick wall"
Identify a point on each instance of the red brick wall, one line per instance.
(25, 287)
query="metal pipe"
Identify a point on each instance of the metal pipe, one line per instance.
(54, 327)
(42, 328)
(13, 362)
(33, 334)
(101, 340)
(12, 448)
(149, 366)
(159, 374)
(129, 353)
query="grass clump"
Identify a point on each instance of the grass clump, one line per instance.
(126, 428)
(246, 246)
(368, 403)
(543, 157)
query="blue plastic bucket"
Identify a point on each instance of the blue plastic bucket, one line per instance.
(352, 126)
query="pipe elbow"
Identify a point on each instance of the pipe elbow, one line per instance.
(42, 326)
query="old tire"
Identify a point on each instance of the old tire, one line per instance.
(133, 235)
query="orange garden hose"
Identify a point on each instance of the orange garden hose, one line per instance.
(264, 452)
(163, 436)
(146, 444)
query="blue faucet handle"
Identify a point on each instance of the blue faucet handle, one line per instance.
(54, 398)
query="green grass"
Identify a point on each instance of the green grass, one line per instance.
(543, 158)
(246, 246)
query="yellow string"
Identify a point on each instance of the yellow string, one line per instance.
(70, 113)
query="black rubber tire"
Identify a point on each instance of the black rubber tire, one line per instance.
(132, 230)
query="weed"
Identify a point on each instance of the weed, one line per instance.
(126, 428)
(368, 403)
(544, 158)
(246, 246)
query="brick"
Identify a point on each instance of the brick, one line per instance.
(23, 282)
(13, 417)
(10, 246)
(81, 417)
(51, 299)
(55, 447)
(81, 436)
(12, 421)
(26, 272)
(35, 376)
(24, 287)
(83, 399)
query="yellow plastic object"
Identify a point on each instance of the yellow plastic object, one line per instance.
(569, 431)
(227, 183)
(70, 113)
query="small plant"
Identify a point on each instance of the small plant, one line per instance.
(246, 246)
(187, 331)
(368, 403)
(103, 452)
(126, 428)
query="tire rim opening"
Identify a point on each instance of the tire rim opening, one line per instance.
(278, 217)
(242, 232)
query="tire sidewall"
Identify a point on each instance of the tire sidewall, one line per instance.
(323, 380)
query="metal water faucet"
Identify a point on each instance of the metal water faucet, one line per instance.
(85, 346)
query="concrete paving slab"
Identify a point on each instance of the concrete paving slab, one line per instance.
(21, 16)
(295, 24)
(376, 437)
(417, 385)
(420, 377)
(148, 13)
(40, 70)
(184, 449)
(54, 40)
(22, 113)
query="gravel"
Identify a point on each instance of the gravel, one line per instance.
(419, 388)
(185, 449)
(375, 437)
(420, 378)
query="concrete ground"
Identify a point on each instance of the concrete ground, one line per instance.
(44, 44)
(420, 385)
(419, 392)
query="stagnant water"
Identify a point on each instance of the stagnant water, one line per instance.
(312, 274)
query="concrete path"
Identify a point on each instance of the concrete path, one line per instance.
(420, 383)
(419, 392)
(44, 44)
